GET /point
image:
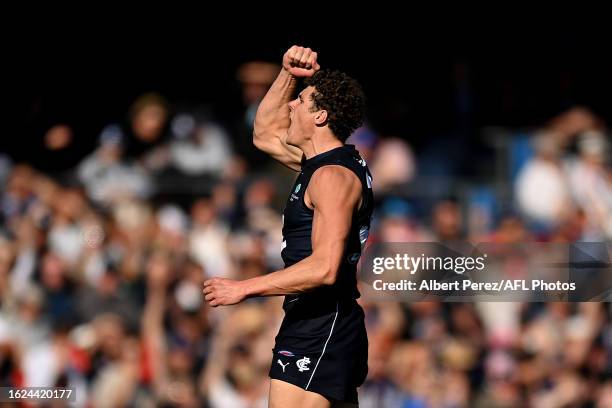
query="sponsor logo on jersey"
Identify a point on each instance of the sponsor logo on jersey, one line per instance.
(282, 365)
(286, 353)
(364, 232)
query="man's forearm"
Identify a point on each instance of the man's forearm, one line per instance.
(273, 111)
(298, 278)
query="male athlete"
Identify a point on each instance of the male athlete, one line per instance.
(320, 356)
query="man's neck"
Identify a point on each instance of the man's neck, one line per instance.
(318, 145)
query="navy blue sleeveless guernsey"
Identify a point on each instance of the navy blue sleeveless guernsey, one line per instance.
(297, 224)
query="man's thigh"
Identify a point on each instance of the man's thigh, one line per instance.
(284, 394)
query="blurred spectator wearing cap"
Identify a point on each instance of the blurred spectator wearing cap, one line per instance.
(107, 176)
(198, 147)
(172, 228)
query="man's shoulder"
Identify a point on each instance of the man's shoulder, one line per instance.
(334, 181)
(334, 173)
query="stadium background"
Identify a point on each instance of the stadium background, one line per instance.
(128, 177)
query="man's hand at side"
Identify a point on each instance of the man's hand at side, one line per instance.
(223, 292)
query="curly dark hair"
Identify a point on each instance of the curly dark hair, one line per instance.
(343, 99)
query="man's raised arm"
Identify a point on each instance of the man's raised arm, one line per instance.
(272, 119)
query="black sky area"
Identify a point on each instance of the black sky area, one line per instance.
(419, 85)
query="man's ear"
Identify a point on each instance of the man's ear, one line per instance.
(321, 118)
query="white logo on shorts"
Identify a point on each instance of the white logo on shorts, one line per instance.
(303, 363)
(282, 365)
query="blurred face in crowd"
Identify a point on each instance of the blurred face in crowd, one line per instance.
(254, 91)
(256, 77)
(30, 306)
(149, 122)
(52, 271)
(69, 204)
(180, 362)
(20, 181)
(58, 137)
(447, 220)
(511, 230)
(158, 268)
(110, 153)
(203, 212)
(259, 194)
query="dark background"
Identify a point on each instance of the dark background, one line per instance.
(421, 85)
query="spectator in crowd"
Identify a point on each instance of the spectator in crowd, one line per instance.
(107, 176)
(148, 119)
(544, 176)
(591, 186)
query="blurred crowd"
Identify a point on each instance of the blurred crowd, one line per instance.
(102, 265)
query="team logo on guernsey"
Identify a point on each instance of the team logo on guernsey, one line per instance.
(302, 364)
(353, 258)
(286, 353)
(293, 195)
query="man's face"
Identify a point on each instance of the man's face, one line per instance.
(302, 119)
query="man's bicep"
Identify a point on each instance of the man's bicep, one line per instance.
(334, 195)
(330, 227)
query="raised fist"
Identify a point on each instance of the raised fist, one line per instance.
(300, 61)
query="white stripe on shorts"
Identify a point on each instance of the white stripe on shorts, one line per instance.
(324, 347)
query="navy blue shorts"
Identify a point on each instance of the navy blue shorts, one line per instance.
(322, 348)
